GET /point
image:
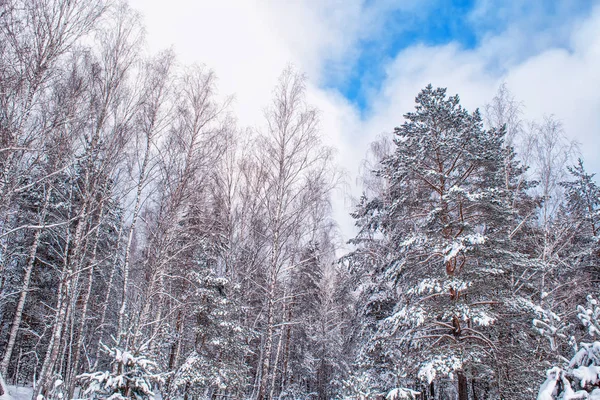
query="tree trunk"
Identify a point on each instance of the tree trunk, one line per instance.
(136, 210)
(474, 388)
(268, 348)
(286, 352)
(62, 304)
(277, 355)
(174, 352)
(54, 345)
(111, 279)
(88, 290)
(463, 388)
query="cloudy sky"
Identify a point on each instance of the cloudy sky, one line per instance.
(367, 59)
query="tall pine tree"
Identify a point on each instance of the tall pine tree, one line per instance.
(437, 256)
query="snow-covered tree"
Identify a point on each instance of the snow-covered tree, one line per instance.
(215, 361)
(436, 249)
(582, 195)
(131, 377)
(579, 377)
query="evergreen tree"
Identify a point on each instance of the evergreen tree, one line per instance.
(131, 377)
(215, 362)
(437, 291)
(578, 378)
(583, 202)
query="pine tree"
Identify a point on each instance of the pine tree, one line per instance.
(215, 362)
(583, 201)
(442, 278)
(133, 376)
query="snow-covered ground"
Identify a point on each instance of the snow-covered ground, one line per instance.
(25, 393)
(18, 393)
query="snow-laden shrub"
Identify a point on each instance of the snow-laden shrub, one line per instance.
(551, 327)
(402, 394)
(580, 377)
(356, 390)
(132, 376)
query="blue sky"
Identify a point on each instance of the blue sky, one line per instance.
(439, 22)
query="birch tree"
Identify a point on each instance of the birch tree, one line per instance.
(101, 144)
(292, 160)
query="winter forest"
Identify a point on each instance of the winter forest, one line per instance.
(151, 247)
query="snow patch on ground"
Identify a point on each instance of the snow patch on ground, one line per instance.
(18, 393)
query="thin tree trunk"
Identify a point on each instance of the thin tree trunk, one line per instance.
(277, 355)
(121, 332)
(83, 317)
(62, 306)
(175, 351)
(266, 365)
(159, 315)
(54, 345)
(71, 315)
(111, 279)
(145, 311)
(176, 346)
(66, 351)
(286, 352)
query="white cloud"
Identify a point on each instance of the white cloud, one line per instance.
(555, 70)
(248, 44)
(563, 81)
